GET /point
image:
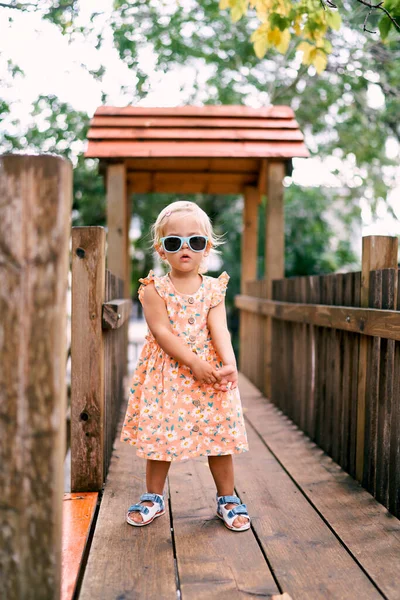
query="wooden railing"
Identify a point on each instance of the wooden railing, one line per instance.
(336, 362)
(100, 317)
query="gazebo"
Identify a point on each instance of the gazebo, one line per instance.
(193, 149)
(197, 149)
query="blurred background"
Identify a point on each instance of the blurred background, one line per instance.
(59, 61)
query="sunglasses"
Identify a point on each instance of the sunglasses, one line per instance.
(173, 243)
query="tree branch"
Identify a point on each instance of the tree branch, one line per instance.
(371, 8)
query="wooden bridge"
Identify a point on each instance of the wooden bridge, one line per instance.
(315, 532)
(320, 372)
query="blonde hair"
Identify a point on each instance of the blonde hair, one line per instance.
(203, 220)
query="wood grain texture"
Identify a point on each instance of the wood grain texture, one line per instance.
(190, 182)
(117, 229)
(394, 466)
(196, 133)
(116, 313)
(112, 149)
(365, 529)
(378, 252)
(207, 569)
(368, 321)
(125, 561)
(193, 122)
(87, 354)
(268, 112)
(35, 211)
(306, 557)
(249, 246)
(78, 517)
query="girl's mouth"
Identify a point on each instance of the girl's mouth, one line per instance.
(185, 257)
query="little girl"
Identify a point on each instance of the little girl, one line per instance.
(184, 401)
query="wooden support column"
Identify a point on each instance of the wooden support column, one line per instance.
(249, 236)
(274, 249)
(35, 216)
(117, 223)
(87, 353)
(378, 252)
(249, 260)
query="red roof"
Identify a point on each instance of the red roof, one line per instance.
(194, 149)
(195, 131)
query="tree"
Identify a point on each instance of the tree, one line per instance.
(306, 23)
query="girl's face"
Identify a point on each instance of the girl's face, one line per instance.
(185, 260)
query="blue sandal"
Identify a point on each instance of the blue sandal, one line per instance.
(149, 513)
(230, 514)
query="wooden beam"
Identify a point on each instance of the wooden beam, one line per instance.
(274, 249)
(249, 261)
(378, 252)
(116, 313)
(35, 213)
(190, 182)
(117, 223)
(87, 354)
(202, 165)
(187, 133)
(275, 225)
(78, 520)
(367, 321)
(249, 236)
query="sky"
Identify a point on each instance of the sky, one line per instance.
(53, 66)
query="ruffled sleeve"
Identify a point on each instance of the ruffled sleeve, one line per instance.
(146, 280)
(219, 289)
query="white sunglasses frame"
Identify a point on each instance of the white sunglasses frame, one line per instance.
(183, 240)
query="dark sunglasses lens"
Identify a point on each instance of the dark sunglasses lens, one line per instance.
(197, 243)
(172, 244)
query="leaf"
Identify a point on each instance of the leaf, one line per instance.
(260, 47)
(333, 19)
(384, 26)
(319, 61)
(224, 4)
(284, 42)
(306, 49)
(238, 10)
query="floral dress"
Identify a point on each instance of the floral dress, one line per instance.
(171, 416)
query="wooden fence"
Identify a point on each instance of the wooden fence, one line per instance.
(35, 212)
(336, 362)
(100, 318)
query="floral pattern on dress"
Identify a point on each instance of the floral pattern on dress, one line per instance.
(170, 415)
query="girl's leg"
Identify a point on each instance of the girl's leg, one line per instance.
(222, 471)
(156, 474)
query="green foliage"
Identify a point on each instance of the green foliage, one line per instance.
(304, 25)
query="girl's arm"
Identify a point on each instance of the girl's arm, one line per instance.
(157, 319)
(220, 335)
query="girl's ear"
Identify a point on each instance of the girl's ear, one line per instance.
(159, 249)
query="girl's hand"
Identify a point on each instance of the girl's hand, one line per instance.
(204, 372)
(229, 380)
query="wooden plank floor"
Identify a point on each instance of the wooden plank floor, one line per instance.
(316, 534)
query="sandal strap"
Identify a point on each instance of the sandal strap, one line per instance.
(153, 498)
(238, 510)
(139, 507)
(228, 499)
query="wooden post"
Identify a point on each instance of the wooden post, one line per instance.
(117, 223)
(274, 249)
(249, 261)
(378, 252)
(87, 359)
(35, 213)
(249, 236)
